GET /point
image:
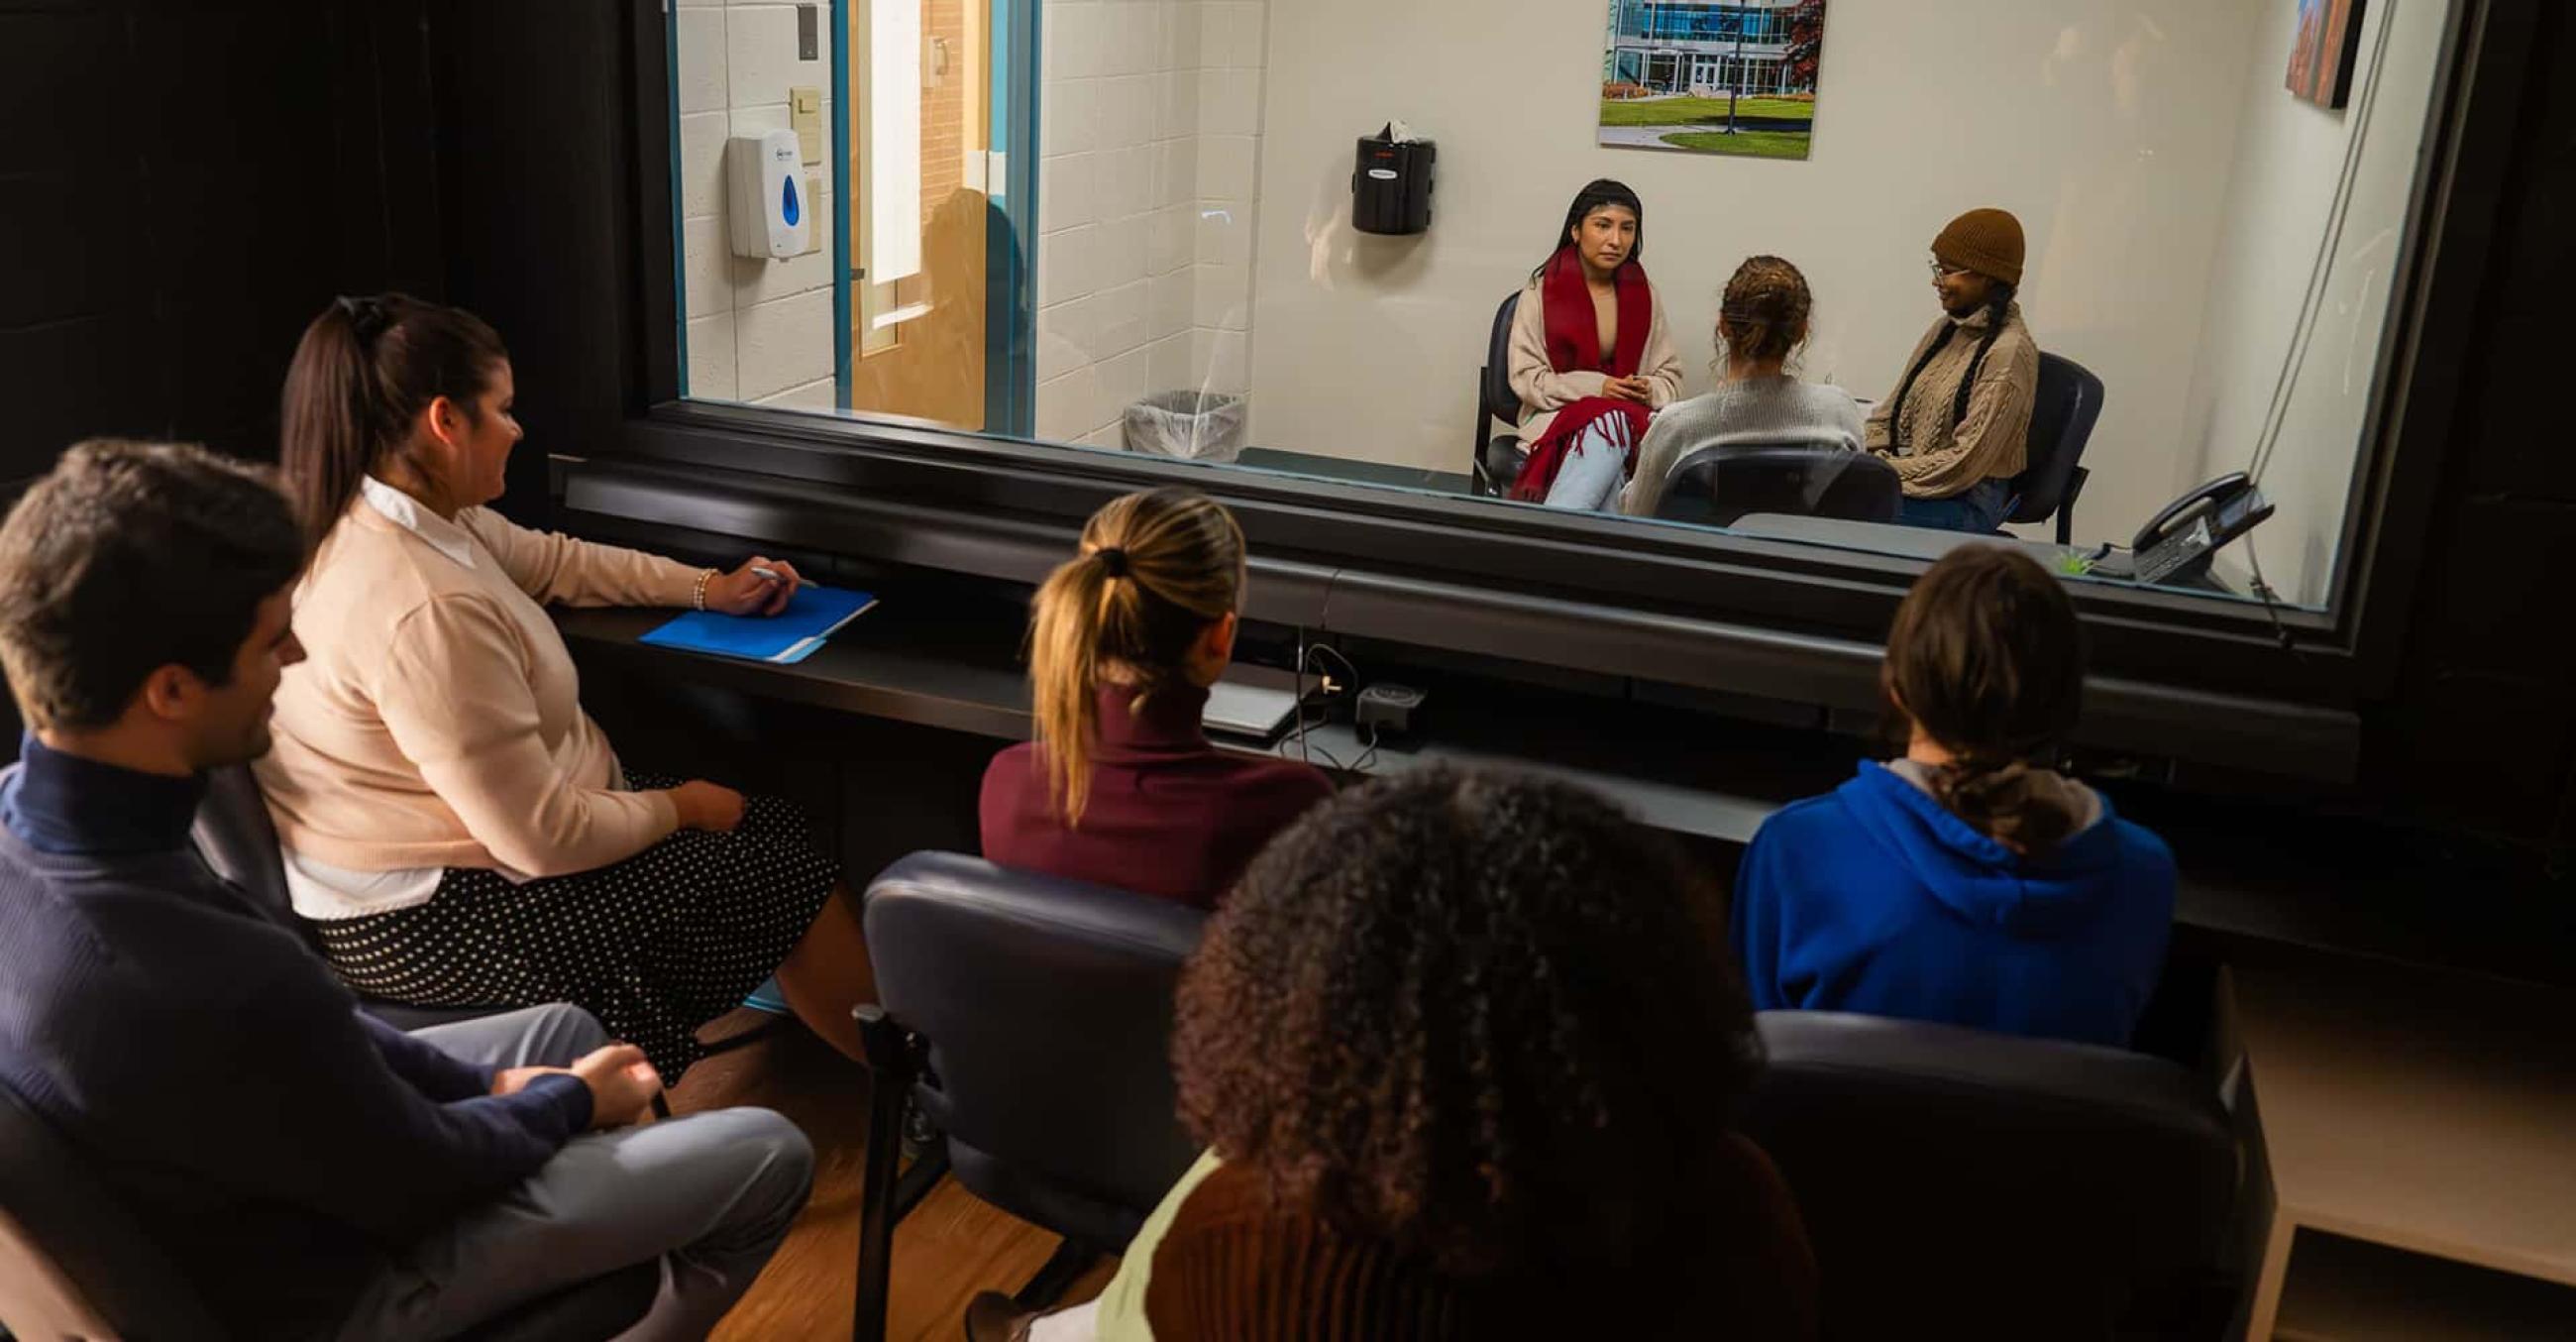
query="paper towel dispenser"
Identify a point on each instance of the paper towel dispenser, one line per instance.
(1392, 184)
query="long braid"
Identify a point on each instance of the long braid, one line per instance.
(1896, 408)
(1997, 305)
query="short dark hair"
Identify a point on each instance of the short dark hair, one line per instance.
(129, 557)
(1485, 1017)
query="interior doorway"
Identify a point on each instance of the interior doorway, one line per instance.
(933, 279)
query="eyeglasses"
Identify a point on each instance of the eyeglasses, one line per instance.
(1943, 271)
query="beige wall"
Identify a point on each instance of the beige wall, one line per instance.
(2288, 164)
(2108, 125)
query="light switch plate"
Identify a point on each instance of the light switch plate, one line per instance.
(805, 114)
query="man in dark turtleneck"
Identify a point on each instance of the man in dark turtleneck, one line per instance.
(313, 1172)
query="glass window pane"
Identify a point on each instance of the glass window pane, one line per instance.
(1162, 226)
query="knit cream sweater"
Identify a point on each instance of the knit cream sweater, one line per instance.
(1936, 458)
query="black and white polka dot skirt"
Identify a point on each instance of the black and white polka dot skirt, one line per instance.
(655, 946)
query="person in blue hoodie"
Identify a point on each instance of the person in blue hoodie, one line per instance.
(1968, 882)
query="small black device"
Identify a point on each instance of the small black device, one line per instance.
(1391, 186)
(1387, 710)
(2176, 544)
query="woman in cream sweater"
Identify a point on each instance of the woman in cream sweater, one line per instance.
(456, 827)
(1589, 355)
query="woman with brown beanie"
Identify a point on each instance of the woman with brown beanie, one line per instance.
(1956, 429)
(1761, 325)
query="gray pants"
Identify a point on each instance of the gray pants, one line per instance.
(710, 1195)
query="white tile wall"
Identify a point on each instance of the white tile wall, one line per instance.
(782, 343)
(1149, 137)
(711, 355)
(759, 330)
(1149, 131)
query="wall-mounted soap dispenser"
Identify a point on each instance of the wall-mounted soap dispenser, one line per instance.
(765, 180)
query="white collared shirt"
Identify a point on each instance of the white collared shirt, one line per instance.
(404, 511)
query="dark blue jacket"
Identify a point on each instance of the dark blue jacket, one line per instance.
(1875, 898)
(276, 1142)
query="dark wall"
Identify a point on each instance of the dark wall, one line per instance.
(537, 110)
(182, 185)
(2482, 734)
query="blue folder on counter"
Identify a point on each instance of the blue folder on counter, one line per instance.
(792, 635)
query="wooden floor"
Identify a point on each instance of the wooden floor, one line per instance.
(952, 1246)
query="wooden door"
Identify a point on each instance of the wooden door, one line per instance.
(917, 344)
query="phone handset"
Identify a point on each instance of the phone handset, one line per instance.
(2166, 519)
(2175, 545)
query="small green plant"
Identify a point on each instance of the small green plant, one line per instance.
(2074, 564)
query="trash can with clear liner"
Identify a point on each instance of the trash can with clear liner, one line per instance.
(1190, 425)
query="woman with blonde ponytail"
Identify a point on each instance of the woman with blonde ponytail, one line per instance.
(1121, 787)
(1970, 881)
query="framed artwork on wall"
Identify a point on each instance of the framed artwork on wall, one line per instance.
(2323, 53)
(1737, 77)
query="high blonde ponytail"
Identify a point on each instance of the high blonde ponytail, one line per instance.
(1154, 571)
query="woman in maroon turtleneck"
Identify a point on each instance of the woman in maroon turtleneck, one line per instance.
(1121, 786)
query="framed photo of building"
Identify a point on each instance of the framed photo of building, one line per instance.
(1725, 77)
(2322, 55)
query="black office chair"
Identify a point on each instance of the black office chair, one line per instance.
(236, 838)
(2062, 414)
(1029, 1019)
(74, 1264)
(1714, 486)
(1498, 459)
(2017, 1187)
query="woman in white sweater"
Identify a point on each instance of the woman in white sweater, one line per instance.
(1761, 324)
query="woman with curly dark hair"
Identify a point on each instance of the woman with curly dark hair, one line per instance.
(1463, 1048)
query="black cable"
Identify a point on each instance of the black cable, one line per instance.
(2271, 606)
(1368, 756)
(1307, 655)
(2321, 270)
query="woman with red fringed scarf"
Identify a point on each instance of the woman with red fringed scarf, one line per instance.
(1590, 357)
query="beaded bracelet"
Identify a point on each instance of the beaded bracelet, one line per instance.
(700, 600)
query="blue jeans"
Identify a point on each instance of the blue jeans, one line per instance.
(1980, 509)
(1594, 468)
